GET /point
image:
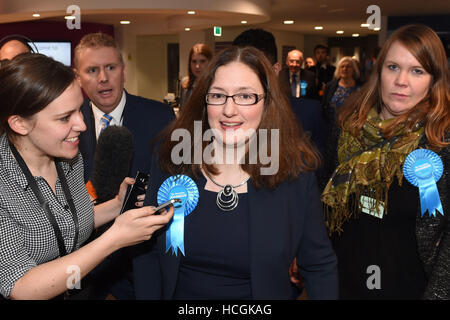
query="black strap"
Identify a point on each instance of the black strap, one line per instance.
(44, 203)
(68, 195)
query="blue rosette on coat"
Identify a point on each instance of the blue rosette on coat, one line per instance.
(423, 168)
(303, 87)
(184, 188)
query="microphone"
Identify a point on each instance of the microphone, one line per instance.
(112, 161)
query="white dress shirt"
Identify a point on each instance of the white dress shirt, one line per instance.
(116, 114)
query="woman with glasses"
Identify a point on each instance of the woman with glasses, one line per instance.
(251, 201)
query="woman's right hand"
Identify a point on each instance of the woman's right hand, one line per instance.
(137, 225)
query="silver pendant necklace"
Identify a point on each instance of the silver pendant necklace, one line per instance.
(227, 198)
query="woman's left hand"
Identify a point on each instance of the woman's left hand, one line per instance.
(123, 188)
(141, 199)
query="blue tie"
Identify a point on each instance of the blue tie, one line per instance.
(105, 121)
(294, 85)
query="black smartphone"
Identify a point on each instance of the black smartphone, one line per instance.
(165, 205)
(134, 191)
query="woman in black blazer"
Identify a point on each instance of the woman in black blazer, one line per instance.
(250, 215)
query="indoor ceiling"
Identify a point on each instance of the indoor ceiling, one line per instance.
(332, 15)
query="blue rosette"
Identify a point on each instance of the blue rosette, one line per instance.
(423, 168)
(184, 188)
(303, 87)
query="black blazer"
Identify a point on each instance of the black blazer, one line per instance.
(285, 223)
(323, 75)
(143, 117)
(309, 115)
(305, 75)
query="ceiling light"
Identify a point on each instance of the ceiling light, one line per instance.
(364, 25)
(191, 12)
(36, 15)
(69, 17)
(187, 29)
(376, 29)
(355, 35)
(288, 21)
(125, 22)
(244, 22)
(340, 32)
(318, 27)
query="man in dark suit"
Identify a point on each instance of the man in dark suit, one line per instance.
(100, 71)
(307, 111)
(323, 70)
(296, 81)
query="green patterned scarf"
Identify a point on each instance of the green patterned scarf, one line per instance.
(368, 165)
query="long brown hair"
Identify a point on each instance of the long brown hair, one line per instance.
(296, 153)
(425, 45)
(202, 49)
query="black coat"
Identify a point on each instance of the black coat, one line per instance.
(285, 223)
(432, 233)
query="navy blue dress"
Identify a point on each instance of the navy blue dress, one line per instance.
(217, 261)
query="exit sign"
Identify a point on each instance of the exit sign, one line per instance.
(217, 31)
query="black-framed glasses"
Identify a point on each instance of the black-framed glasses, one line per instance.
(242, 99)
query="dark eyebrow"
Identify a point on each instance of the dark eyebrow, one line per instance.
(238, 89)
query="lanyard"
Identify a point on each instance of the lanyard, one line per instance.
(44, 203)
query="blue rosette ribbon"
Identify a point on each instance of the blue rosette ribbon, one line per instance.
(303, 87)
(423, 168)
(184, 188)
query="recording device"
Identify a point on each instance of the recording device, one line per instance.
(112, 161)
(160, 209)
(134, 191)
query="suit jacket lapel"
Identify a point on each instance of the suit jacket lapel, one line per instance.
(126, 111)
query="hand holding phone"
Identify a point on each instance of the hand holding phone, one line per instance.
(136, 189)
(160, 209)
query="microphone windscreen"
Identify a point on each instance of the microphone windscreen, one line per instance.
(112, 161)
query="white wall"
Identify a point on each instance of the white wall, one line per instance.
(151, 65)
(127, 42)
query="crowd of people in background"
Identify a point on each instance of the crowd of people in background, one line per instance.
(347, 195)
